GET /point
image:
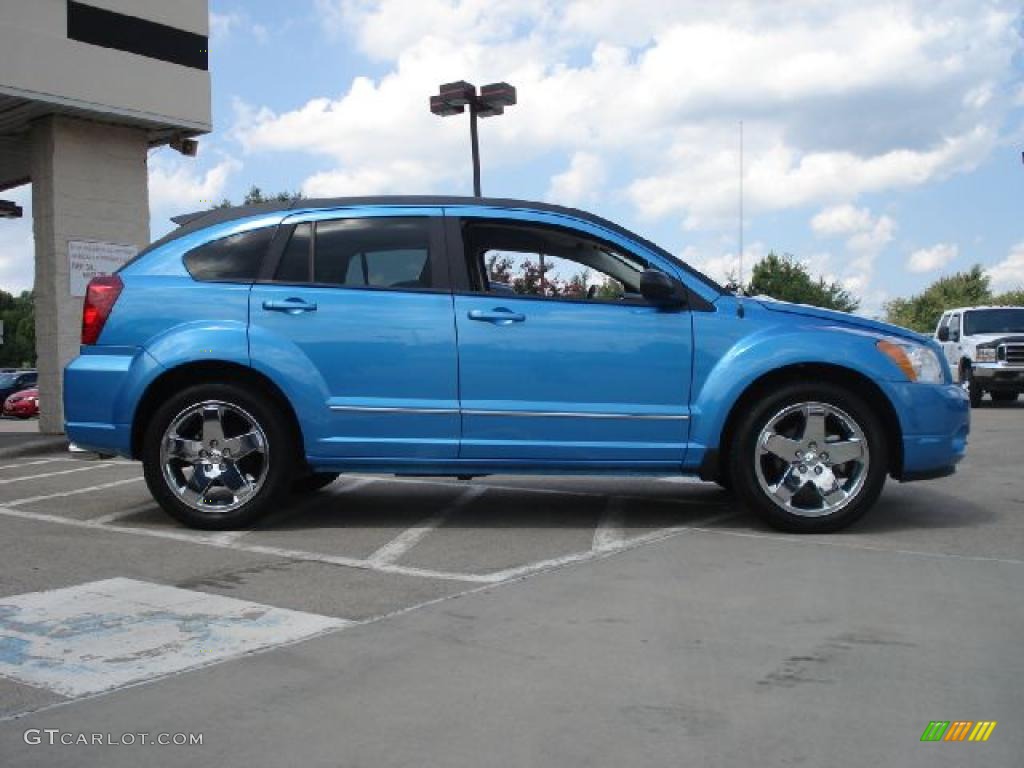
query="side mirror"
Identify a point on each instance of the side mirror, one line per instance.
(660, 289)
(944, 333)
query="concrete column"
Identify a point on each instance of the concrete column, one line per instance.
(89, 182)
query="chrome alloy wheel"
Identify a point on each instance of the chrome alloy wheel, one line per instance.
(812, 459)
(214, 456)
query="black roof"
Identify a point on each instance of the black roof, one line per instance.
(193, 222)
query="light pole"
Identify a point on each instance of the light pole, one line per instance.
(453, 98)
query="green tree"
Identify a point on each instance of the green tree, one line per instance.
(255, 195)
(922, 311)
(783, 277)
(1010, 298)
(18, 316)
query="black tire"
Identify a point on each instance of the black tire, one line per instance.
(746, 461)
(313, 481)
(279, 455)
(974, 392)
(1004, 397)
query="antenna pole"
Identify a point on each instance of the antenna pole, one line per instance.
(741, 208)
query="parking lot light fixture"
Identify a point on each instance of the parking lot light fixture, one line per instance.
(10, 210)
(454, 98)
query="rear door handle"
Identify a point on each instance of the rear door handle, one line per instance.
(496, 316)
(292, 306)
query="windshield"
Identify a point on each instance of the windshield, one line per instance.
(7, 379)
(994, 321)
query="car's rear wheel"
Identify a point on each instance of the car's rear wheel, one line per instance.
(1004, 397)
(217, 456)
(313, 481)
(809, 458)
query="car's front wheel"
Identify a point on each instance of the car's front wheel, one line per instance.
(809, 458)
(217, 456)
(970, 386)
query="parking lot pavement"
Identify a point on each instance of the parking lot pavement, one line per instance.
(658, 623)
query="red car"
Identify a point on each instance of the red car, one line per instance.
(23, 404)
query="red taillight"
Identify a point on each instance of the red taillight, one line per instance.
(100, 296)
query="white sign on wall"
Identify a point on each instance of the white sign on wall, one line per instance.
(89, 258)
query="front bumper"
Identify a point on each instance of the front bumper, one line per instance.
(935, 420)
(999, 376)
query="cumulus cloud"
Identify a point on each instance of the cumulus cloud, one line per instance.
(841, 220)
(176, 186)
(839, 99)
(935, 257)
(865, 238)
(224, 25)
(1008, 274)
(725, 267)
(581, 182)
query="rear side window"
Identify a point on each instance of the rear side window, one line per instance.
(233, 259)
(379, 252)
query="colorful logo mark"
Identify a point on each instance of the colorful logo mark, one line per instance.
(958, 730)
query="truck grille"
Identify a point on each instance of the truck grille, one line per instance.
(1013, 353)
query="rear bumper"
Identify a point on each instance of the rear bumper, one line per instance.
(935, 420)
(101, 389)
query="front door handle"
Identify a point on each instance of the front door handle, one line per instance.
(291, 306)
(496, 316)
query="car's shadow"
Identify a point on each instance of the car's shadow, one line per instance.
(659, 505)
(569, 503)
(987, 403)
(404, 504)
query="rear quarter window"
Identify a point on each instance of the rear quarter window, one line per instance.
(232, 259)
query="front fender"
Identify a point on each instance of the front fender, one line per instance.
(720, 385)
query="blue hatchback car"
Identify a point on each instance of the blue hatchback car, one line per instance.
(260, 350)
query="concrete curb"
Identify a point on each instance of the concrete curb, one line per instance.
(32, 445)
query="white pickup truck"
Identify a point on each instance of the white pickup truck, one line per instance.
(985, 349)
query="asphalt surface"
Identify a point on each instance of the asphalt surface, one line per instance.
(513, 622)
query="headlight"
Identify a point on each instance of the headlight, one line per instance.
(985, 355)
(918, 362)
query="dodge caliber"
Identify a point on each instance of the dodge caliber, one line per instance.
(264, 350)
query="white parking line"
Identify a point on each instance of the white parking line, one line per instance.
(36, 462)
(92, 465)
(284, 513)
(89, 489)
(410, 537)
(211, 540)
(608, 532)
(595, 554)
